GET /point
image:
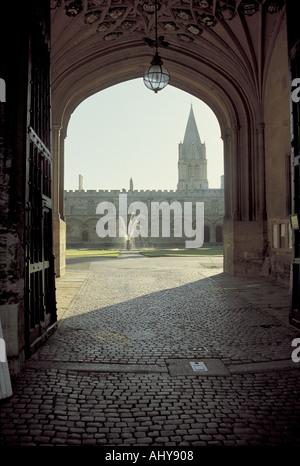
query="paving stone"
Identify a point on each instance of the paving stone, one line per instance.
(161, 440)
(162, 312)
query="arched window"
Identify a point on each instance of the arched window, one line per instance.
(85, 235)
(219, 234)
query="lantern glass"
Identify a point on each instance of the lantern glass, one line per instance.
(156, 78)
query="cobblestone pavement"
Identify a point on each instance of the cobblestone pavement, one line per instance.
(117, 371)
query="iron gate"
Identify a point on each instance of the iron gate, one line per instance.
(40, 307)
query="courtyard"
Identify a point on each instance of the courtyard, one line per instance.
(160, 352)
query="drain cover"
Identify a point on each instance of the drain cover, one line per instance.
(198, 366)
(205, 367)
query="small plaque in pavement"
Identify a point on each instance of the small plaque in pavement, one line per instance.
(198, 366)
(206, 367)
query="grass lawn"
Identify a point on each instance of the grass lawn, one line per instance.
(216, 251)
(71, 253)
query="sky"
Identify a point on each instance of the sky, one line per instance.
(127, 131)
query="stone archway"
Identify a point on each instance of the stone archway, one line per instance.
(237, 62)
(225, 64)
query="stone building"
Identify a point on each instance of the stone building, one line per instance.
(241, 57)
(80, 205)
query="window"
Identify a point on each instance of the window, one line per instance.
(215, 207)
(290, 231)
(275, 236)
(219, 234)
(282, 235)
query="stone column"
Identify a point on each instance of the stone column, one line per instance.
(227, 176)
(244, 226)
(56, 129)
(59, 226)
(236, 174)
(228, 206)
(260, 206)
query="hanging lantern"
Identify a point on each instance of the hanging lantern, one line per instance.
(156, 77)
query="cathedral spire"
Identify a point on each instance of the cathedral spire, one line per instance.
(192, 164)
(191, 135)
(192, 146)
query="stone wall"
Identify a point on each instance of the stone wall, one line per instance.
(81, 218)
(278, 160)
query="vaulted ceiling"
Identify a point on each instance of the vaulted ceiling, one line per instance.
(216, 50)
